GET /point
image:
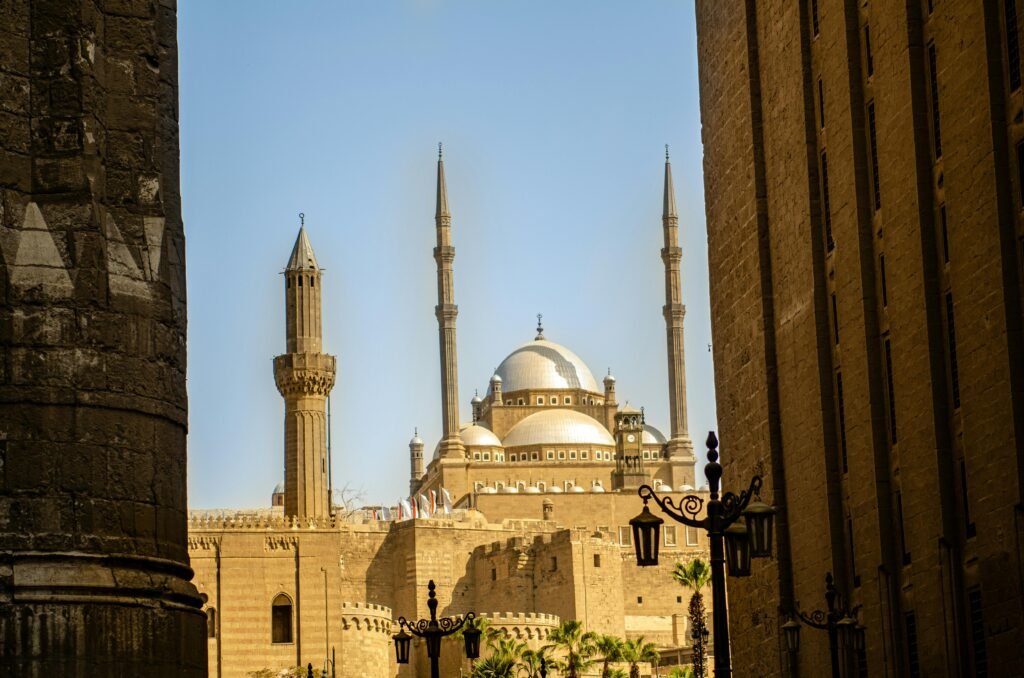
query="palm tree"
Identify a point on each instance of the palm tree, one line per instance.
(681, 672)
(695, 575)
(481, 624)
(576, 644)
(610, 649)
(636, 651)
(617, 673)
(495, 666)
(531, 661)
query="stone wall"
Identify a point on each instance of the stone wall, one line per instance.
(367, 650)
(94, 578)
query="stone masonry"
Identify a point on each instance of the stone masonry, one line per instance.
(865, 229)
(94, 576)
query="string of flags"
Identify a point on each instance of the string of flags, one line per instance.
(420, 505)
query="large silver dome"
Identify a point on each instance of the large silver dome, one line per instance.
(542, 364)
(558, 427)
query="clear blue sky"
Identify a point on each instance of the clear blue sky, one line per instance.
(554, 116)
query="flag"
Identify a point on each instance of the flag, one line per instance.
(399, 509)
(415, 513)
(446, 500)
(406, 510)
(433, 502)
(385, 513)
(424, 507)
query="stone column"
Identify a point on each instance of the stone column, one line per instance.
(94, 576)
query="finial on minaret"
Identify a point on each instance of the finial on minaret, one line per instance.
(440, 151)
(666, 152)
(302, 219)
(540, 327)
(669, 202)
(442, 190)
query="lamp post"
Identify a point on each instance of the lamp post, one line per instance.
(433, 630)
(840, 623)
(732, 542)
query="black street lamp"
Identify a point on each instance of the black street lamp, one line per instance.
(433, 630)
(730, 540)
(840, 623)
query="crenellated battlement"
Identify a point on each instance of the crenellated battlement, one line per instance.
(524, 626)
(368, 617)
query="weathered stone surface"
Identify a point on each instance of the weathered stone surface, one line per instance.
(93, 565)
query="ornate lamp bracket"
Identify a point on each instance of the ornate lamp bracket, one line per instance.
(684, 511)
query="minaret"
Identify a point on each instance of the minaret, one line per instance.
(680, 447)
(446, 312)
(415, 462)
(304, 376)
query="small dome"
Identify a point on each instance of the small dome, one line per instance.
(416, 440)
(558, 427)
(510, 489)
(476, 399)
(577, 489)
(279, 488)
(532, 489)
(488, 490)
(496, 378)
(475, 435)
(652, 436)
(597, 489)
(554, 489)
(686, 487)
(609, 379)
(542, 364)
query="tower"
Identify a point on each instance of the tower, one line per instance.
(304, 376)
(446, 312)
(629, 471)
(680, 447)
(415, 462)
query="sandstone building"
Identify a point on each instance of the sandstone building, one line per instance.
(94, 579)
(543, 484)
(863, 177)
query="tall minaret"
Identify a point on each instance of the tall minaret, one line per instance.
(415, 462)
(680, 447)
(447, 311)
(304, 376)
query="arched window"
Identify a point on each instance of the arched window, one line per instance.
(312, 281)
(211, 622)
(300, 280)
(281, 619)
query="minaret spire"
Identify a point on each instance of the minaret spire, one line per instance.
(446, 312)
(304, 376)
(680, 447)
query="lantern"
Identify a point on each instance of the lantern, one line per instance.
(646, 535)
(737, 550)
(402, 642)
(791, 630)
(471, 635)
(760, 517)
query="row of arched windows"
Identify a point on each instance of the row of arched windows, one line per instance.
(280, 619)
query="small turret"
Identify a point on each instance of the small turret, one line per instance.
(476, 405)
(415, 461)
(496, 391)
(609, 388)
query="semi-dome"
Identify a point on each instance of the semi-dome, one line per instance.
(279, 488)
(542, 364)
(652, 436)
(558, 427)
(475, 435)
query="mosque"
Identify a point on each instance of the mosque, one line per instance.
(537, 491)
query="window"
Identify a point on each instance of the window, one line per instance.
(551, 455)
(487, 456)
(969, 528)
(476, 456)
(572, 454)
(933, 83)
(540, 400)
(954, 373)
(873, 147)
(568, 400)
(821, 103)
(281, 618)
(312, 281)
(513, 457)
(211, 622)
(670, 535)
(825, 209)
(300, 281)
(494, 574)
(499, 485)
(639, 600)
(542, 486)
(913, 661)
(1012, 45)
(520, 485)
(568, 485)
(509, 402)
(885, 285)
(561, 454)
(597, 560)
(890, 389)
(691, 536)
(867, 51)
(625, 536)
(814, 17)
(976, 612)
(679, 599)
(945, 232)
(521, 401)
(646, 454)
(534, 456)
(287, 283)
(554, 400)
(840, 405)
(584, 454)
(902, 531)
(477, 486)
(554, 563)
(835, 319)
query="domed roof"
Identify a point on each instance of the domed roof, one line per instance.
(652, 436)
(542, 364)
(475, 435)
(558, 427)
(279, 488)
